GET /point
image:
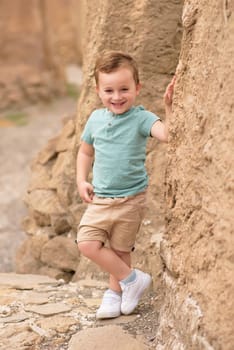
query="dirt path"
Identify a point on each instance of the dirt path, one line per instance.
(18, 145)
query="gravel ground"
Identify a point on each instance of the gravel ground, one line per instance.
(146, 324)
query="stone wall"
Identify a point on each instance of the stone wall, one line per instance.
(38, 39)
(197, 249)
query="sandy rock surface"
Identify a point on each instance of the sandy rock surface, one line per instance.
(38, 312)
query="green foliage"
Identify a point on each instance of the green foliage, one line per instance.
(72, 90)
(18, 118)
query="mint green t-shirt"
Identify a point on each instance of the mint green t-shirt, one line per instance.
(119, 141)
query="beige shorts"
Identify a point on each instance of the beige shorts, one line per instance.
(116, 220)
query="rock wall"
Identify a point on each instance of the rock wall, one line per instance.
(197, 249)
(192, 255)
(38, 39)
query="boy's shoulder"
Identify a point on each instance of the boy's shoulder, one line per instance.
(98, 111)
(97, 114)
(143, 112)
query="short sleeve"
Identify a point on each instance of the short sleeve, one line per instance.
(87, 134)
(146, 120)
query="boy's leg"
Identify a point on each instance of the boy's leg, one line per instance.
(113, 282)
(132, 282)
(106, 258)
(117, 265)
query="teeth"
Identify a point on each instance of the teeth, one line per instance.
(118, 104)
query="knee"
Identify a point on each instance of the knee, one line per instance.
(89, 248)
(121, 254)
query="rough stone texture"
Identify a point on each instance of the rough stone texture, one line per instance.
(19, 144)
(197, 249)
(102, 338)
(38, 312)
(54, 209)
(59, 247)
(39, 39)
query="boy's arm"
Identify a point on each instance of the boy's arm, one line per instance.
(159, 129)
(84, 164)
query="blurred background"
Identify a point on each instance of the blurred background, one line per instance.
(40, 78)
(41, 49)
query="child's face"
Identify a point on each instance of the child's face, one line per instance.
(118, 90)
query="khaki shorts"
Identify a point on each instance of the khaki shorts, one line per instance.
(116, 220)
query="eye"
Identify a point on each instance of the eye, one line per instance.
(108, 91)
(124, 89)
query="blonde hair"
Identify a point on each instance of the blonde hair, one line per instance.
(109, 61)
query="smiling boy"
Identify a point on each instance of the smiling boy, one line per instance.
(114, 144)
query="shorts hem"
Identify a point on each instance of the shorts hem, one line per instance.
(89, 240)
(124, 250)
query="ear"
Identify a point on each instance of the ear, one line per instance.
(97, 90)
(138, 88)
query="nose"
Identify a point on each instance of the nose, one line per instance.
(116, 95)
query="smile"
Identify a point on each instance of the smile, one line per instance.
(117, 104)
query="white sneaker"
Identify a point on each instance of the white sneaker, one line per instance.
(133, 291)
(110, 306)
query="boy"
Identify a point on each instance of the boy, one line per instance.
(114, 143)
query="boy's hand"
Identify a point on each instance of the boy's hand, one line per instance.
(168, 96)
(86, 191)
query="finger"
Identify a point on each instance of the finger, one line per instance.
(87, 198)
(171, 86)
(172, 83)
